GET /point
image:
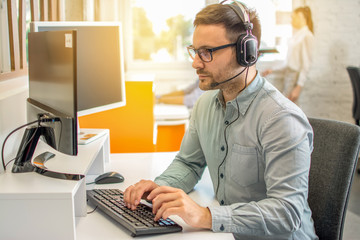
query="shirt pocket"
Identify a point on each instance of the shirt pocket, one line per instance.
(244, 167)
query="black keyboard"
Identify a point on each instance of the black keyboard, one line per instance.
(138, 222)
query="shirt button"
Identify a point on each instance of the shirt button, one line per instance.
(226, 122)
(222, 228)
(222, 202)
(222, 148)
(222, 175)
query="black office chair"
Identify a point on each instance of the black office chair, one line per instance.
(354, 74)
(333, 163)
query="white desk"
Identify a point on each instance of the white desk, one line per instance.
(33, 206)
(135, 167)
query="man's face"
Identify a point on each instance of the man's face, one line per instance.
(223, 64)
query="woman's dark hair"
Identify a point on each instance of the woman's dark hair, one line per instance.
(307, 14)
(226, 16)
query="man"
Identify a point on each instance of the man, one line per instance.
(255, 142)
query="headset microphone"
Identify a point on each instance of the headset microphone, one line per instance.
(218, 83)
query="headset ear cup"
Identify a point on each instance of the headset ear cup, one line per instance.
(251, 55)
(240, 51)
(246, 50)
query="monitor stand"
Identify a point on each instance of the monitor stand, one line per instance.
(26, 151)
(27, 147)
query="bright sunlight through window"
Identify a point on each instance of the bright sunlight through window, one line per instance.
(162, 29)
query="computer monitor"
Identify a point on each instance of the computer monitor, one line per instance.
(99, 85)
(100, 63)
(52, 101)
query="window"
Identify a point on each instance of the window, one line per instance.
(162, 36)
(159, 32)
(4, 39)
(13, 63)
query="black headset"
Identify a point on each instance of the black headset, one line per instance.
(247, 44)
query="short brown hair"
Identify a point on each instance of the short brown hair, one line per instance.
(226, 16)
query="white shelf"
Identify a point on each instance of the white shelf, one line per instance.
(33, 206)
(170, 112)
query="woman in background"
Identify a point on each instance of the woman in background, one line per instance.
(299, 56)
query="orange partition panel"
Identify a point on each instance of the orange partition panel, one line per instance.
(132, 126)
(169, 138)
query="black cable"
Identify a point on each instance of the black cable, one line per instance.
(3, 146)
(22, 152)
(92, 210)
(41, 119)
(226, 143)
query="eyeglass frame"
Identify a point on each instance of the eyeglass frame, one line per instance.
(210, 50)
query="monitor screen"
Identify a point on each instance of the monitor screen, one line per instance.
(52, 84)
(52, 95)
(100, 64)
(52, 71)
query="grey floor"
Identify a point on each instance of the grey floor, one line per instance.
(352, 221)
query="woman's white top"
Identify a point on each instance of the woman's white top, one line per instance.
(300, 52)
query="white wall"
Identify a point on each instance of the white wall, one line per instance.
(328, 91)
(13, 94)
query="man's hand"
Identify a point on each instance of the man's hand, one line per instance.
(172, 201)
(135, 193)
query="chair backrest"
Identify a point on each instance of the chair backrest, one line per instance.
(354, 74)
(333, 162)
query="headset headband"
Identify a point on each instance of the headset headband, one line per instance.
(243, 15)
(243, 12)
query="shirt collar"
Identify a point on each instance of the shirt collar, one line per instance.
(245, 98)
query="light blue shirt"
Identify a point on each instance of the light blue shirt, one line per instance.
(257, 149)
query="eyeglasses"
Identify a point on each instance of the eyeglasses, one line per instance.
(205, 54)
